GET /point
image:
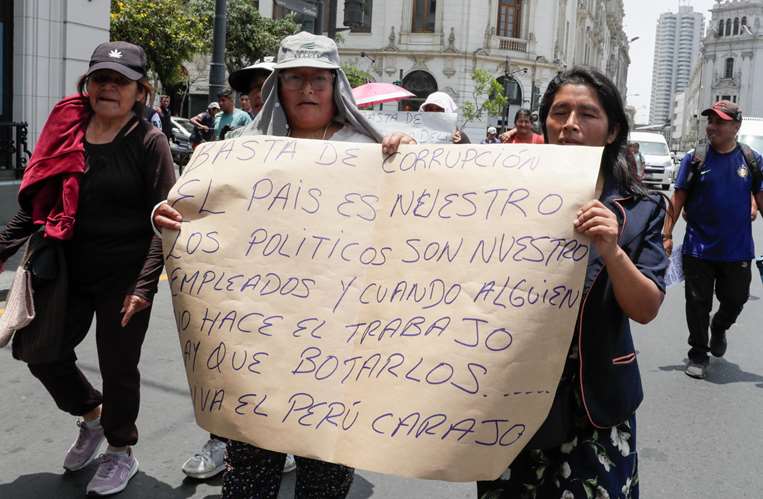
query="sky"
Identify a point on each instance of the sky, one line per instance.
(641, 20)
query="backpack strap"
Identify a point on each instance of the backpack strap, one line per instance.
(697, 161)
(752, 164)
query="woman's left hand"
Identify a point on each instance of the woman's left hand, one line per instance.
(599, 224)
(392, 142)
(131, 306)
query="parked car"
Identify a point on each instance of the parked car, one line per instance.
(180, 145)
(659, 167)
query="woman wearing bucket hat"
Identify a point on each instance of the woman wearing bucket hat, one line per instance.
(249, 81)
(96, 171)
(307, 96)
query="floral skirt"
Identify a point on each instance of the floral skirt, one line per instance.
(596, 464)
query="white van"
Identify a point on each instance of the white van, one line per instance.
(751, 133)
(660, 169)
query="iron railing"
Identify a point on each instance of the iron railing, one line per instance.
(14, 151)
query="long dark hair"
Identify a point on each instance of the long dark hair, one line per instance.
(138, 108)
(522, 112)
(613, 161)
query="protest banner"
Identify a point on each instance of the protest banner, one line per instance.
(408, 315)
(426, 128)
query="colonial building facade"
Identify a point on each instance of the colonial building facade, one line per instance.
(431, 45)
(730, 65)
(45, 46)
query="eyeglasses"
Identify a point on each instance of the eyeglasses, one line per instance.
(106, 78)
(319, 82)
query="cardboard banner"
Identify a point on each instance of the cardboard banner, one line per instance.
(426, 128)
(408, 315)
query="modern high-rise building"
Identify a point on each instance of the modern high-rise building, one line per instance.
(676, 49)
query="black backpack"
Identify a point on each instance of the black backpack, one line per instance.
(698, 161)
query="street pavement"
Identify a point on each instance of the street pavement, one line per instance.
(696, 439)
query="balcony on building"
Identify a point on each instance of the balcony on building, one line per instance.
(508, 28)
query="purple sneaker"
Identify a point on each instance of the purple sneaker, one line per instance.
(85, 448)
(114, 471)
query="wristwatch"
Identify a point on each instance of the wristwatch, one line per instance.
(665, 237)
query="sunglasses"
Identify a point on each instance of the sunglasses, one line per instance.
(106, 78)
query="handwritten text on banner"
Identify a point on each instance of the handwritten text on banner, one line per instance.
(408, 315)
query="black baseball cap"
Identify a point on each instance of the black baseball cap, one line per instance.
(125, 58)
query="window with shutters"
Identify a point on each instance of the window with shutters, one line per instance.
(424, 16)
(365, 18)
(509, 15)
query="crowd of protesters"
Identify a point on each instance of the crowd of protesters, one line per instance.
(102, 168)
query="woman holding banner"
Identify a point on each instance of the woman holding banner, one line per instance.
(587, 446)
(307, 97)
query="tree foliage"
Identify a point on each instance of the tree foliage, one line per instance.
(356, 76)
(166, 29)
(249, 36)
(488, 97)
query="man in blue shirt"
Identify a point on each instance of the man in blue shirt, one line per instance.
(231, 117)
(718, 246)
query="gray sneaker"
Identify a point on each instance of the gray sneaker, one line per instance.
(208, 462)
(85, 448)
(114, 471)
(696, 369)
(290, 464)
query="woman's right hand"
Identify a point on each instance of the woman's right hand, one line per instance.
(167, 217)
(507, 136)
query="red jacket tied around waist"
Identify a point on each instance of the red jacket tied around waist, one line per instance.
(50, 188)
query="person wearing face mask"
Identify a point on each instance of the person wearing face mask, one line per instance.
(308, 96)
(97, 170)
(587, 446)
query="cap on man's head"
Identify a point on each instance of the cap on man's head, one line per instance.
(491, 130)
(725, 110)
(213, 105)
(305, 50)
(125, 58)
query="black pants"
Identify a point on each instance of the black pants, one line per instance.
(731, 283)
(255, 473)
(118, 356)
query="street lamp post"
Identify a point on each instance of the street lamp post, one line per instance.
(533, 94)
(217, 66)
(506, 76)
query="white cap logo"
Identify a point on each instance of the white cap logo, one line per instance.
(115, 54)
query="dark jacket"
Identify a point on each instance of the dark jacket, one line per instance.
(609, 379)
